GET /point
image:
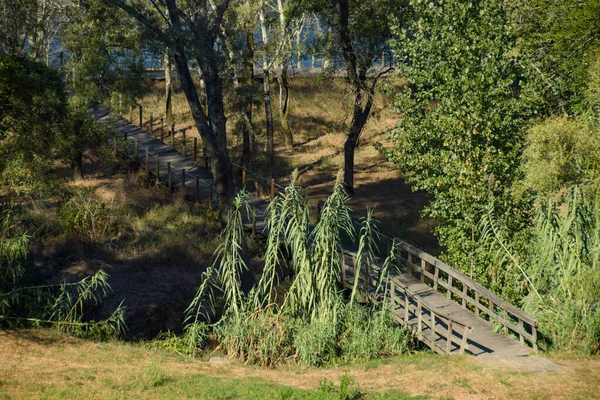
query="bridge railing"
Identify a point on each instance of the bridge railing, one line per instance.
(468, 293)
(444, 333)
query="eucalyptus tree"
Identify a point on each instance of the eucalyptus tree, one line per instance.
(191, 30)
(33, 27)
(362, 28)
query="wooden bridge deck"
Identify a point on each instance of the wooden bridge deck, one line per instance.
(427, 302)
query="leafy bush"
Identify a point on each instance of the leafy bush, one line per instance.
(85, 215)
(562, 153)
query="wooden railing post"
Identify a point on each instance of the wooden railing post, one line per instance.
(522, 329)
(505, 314)
(141, 112)
(433, 339)
(173, 135)
(197, 189)
(436, 272)
(157, 170)
(420, 312)
(534, 334)
(476, 303)
(272, 189)
(463, 343)
(147, 161)
(244, 177)
(449, 293)
(464, 295)
(162, 129)
(151, 125)
(406, 306)
(449, 338)
(169, 176)
(423, 269)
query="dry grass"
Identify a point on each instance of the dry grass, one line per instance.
(320, 114)
(45, 364)
(155, 253)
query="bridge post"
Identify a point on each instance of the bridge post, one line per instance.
(244, 177)
(148, 162)
(169, 177)
(196, 149)
(433, 339)
(435, 276)
(449, 292)
(173, 135)
(420, 311)
(141, 114)
(272, 188)
(406, 305)
(449, 338)
(162, 130)
(157, 170)
(393, 295)
(464, 295)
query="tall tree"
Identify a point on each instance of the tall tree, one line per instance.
(194, 29)
(362, 28)
(462, 128)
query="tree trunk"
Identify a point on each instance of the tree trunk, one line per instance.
(213, 134)
(363, 95)
(269, 119)
(284, 107)
(77, 166)
(168, 89)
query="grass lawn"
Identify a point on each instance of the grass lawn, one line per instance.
(48, 365)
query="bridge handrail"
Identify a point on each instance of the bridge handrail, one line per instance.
(479, 291)
(450, 322)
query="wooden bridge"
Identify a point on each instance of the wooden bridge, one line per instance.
(445, 309)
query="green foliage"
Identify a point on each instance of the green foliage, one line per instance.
(305, 319)
(85, 215)
(560, 39)
(462, 130)
(560, 269)
(562, 153)
(347, 390)
(112, 50)
(61, 305)
(32, 109)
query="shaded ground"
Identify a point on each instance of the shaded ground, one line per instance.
(44, 364)
(320, 114)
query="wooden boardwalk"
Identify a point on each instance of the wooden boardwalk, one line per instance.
(445, 309)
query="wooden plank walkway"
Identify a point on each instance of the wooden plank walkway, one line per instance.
(435, 317)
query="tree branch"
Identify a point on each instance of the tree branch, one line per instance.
(161, 35)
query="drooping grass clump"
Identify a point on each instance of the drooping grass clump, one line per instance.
(26, 303)
(560, 267)
(306, 317)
